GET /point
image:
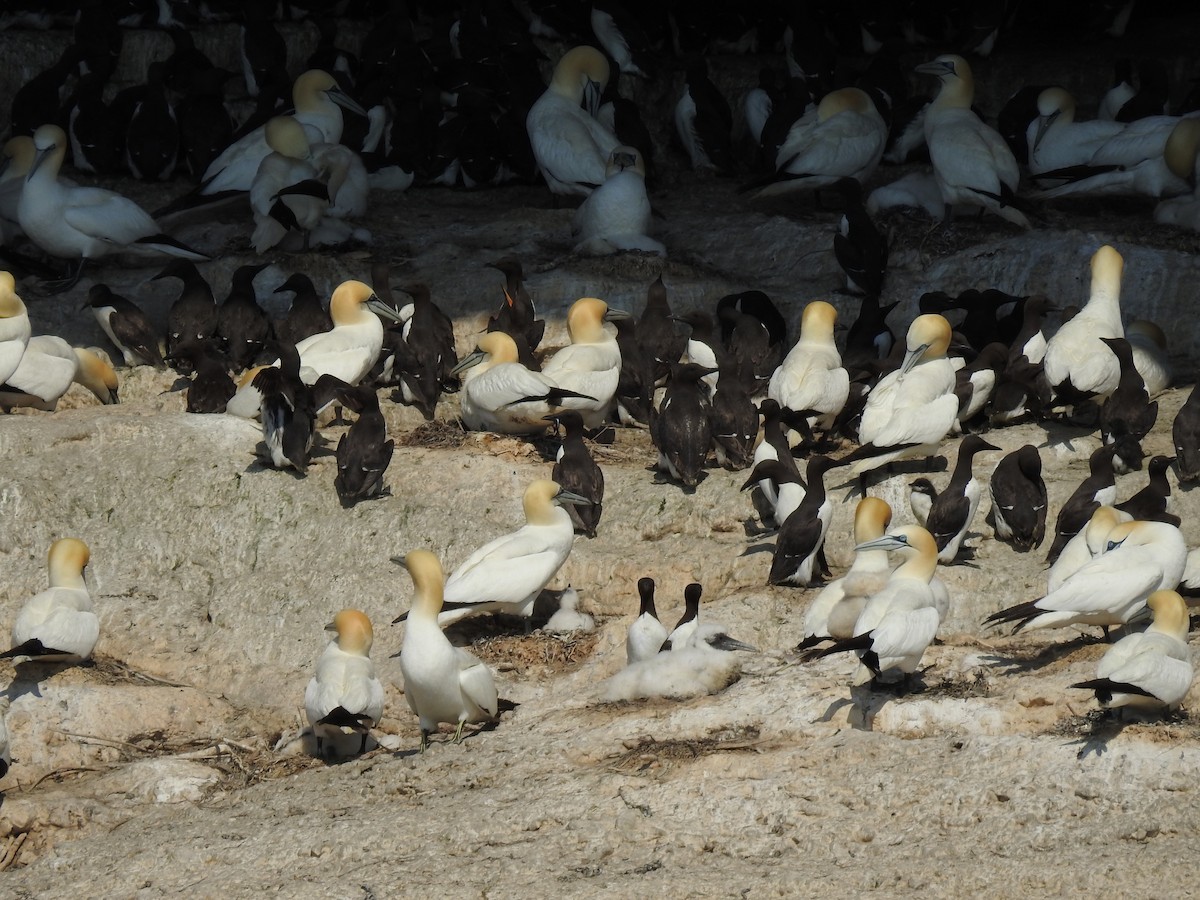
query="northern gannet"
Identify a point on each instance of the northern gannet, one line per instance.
(836, 608)
(350, 349)
(15, 329)
(507, 574)
(900, 620)
(616, 215)
(442, 683)
(286, 194)
(909, 412)
(1076, 363)
(811, 376)
(49, 367)
(971, 163)
(59, 623)
(1139, 558)
(344, 697)
(571, 147)
(589, 367)
(1089, 543)
(1151, 669)
(73, 222)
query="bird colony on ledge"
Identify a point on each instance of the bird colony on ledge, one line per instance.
(726, 387)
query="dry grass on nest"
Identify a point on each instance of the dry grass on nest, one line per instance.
(435, 435)
(647, 751)
(550, 653)
(961, 687)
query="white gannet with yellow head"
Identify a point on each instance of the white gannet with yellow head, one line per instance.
(1056, 140)
(911, 409)
(59, 624)
(616, 216)
(971, 162)
(286, 194)
(76, 222)
(16, 159)
(591, 364)
(350, 349)
(571, 146)
(507, 574)
(1088, 543)
(899, 621)
(1075, 363)
(1138, 559)
(318, 102)
(1153, 669)
(344, 698)
(811, 375)
(845, 140)
(15, 329)
(48, 369)
(835, 610)
(501, 395)
(442, 683)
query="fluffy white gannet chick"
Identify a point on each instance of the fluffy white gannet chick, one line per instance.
(972, 164)
(351, 348)
(507, 574)
(616, 216)
(835, 610)
(1139, 558)
(59, 624)
(571, 147)
(1075, 363)
(1153, 669)
(344, 697)
(286, 195)
(442, 683)
(901, 620)
(846, 140)
(705, 663)
(909, 412)
(567, 618)
(81, 223)
(48, 369)
(811, 376)
(501, 395)
(14, 327)
(590, 365)
(318, 101)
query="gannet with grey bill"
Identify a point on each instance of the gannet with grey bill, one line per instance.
(344, 697)
(350, 349)
(1150, 669)
(442, 683)
(571, 146)
(590, 366)
(48, 369)
(507, 574)
(1139, 558)
(811, 376)
(901, 620)
(60, 623)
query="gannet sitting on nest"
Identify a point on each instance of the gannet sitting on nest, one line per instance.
(345, 697)
(59, 624)
(15, 329)
(590, 366)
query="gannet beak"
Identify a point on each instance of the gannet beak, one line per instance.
(381, 309)
(887, 542)
(611, 315)
(570, 497)
(625, 160)
(40, 158)
(472, 359)
(725, 642)
(399, 560)
(591, 97)
(331, 627)
(1043, 127)
(912, 358)
(344, 100)
(935, 67)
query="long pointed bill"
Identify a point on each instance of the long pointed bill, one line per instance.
(725, 642)
(41, 157)
(382, 310)
(472, 359)
(1043, 126)
(344, 100)
(887, 542)
(570, 497)
(612, 314)
(912, 357)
